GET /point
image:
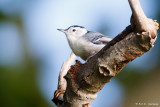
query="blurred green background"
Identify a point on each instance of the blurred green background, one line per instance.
(32, 51)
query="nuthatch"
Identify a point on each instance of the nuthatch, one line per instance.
(85, 43)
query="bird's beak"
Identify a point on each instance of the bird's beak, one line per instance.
(62, 30)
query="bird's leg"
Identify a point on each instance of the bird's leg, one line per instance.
(57, 94)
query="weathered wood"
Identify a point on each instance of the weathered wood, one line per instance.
(85, 80)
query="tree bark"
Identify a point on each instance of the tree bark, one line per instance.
(62, 84)
(85, 80)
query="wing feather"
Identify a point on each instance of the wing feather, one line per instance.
(96, 38)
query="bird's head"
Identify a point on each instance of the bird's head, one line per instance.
(76, 31)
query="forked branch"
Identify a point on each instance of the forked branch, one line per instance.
(85, 80)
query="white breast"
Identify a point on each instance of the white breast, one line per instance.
(83, 48)
(78, 47)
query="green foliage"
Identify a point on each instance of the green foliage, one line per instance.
(19, 89)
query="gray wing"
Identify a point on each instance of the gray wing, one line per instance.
(96, 38)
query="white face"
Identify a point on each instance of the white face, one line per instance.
(75, 31)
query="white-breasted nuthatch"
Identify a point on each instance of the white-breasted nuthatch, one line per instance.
(85, 43)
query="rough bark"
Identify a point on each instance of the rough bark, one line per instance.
(85, 80)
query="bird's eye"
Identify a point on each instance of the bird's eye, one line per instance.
(74, 30)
